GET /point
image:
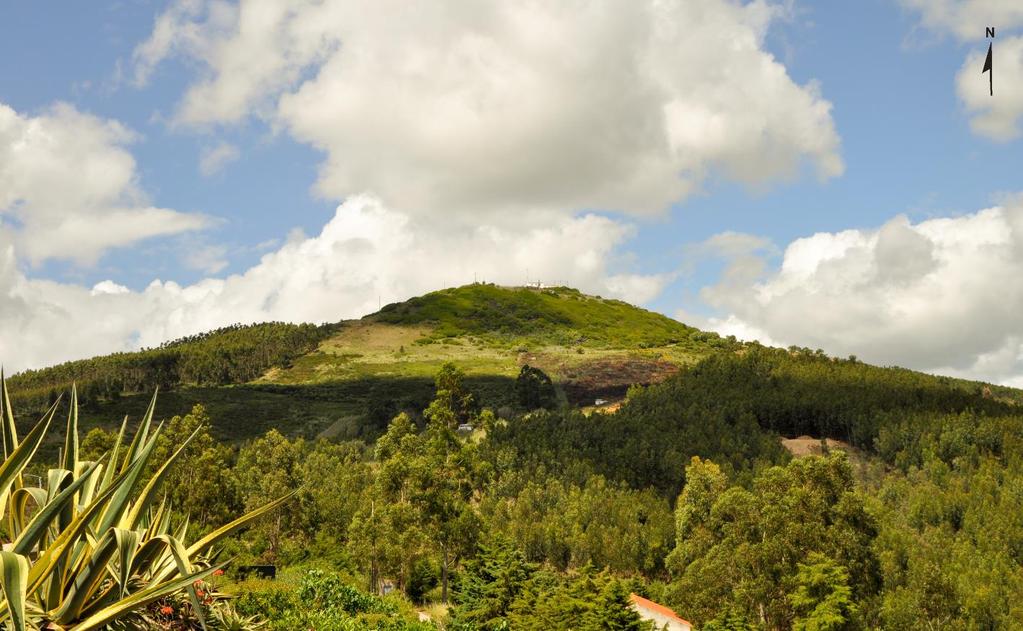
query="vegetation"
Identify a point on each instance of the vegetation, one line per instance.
(544, 517)
(551, 316)
(535, 389)
(321, 600)
(793, 548)
(228, 355)
(347, 380)
(93, 546)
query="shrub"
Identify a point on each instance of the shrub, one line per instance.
(94, 547)
(323, 601)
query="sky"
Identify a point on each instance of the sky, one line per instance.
(830, 175)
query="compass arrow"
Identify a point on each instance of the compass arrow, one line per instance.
(987, 69)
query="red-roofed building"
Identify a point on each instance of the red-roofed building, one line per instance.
(661, 616)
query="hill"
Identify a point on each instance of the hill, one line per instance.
(345, 379)
(523, 315)
(685, 489)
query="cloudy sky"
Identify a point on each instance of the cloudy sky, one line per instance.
(830, 175)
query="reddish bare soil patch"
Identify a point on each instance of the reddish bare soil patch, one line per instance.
(610, 378)
(810, 446)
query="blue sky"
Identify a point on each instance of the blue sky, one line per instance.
(76, 59)
(903, 119)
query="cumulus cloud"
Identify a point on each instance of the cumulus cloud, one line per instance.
(213, 159)
(967, 19)
(365, 254)
(941, 295)
(517, 109)
(108, 287)
(68, 187)
(996, 117)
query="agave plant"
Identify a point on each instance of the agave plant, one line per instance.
(95, 544)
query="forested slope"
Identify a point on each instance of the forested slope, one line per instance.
(732, 407)
(347, 379)
(545, 515)
(229, 355)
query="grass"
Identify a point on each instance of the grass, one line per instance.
(340, 410)
(554, 316)
(367, 369)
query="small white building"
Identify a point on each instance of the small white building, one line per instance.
(661, 616)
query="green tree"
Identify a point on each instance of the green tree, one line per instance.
(444, 496)
(613, 610)
(490, 583)
(386, 538)
(203, 481)
(534, 389)
(269, 467)
(744, 554)
(822, 600)
(96, 443)
(333, 478)
(584, 601)
(423, 489)
(453, 403)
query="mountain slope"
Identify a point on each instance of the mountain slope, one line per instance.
(490, 330)
(346, 380)
(555, 315)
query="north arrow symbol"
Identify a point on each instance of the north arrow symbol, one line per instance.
(987, 69)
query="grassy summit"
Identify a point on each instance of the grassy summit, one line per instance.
(341, 378)
(346, 380)
(591, 346)
(549, 316)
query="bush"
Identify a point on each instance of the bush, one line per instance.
(424, 576)
(323, 601)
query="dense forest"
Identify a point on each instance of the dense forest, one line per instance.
(546, 518)
(233, 354)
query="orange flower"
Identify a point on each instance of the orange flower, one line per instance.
(200, 593)
(197, 582)
(166, 610)
(218, 572)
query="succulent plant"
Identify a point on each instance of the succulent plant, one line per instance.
(95, 543)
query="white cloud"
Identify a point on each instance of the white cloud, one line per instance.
(108, 287)
(942, 295)
(213, 159)
(517, 109)
(69, 188)
(967, 19)
(364, 254)
(995, 117)
(209, 259)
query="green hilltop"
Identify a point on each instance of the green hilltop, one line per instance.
(686, 486)
(347, 379)
(546, 316)
(344, 379)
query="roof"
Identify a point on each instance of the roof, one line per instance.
(639, 601)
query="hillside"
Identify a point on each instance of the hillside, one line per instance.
(683, 489)
(549, 316)
(591, 345)
(346, 379)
